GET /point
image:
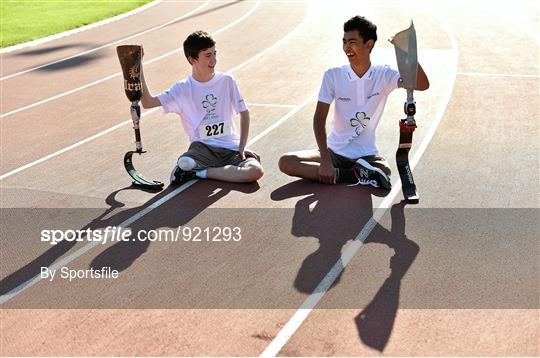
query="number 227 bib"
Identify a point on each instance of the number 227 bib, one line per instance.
(214, 130)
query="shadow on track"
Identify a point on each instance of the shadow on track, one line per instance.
(32, 269)
(49, 49)
(334, 215)
(182, 208)
(174, 213)
(376, 321)
(331, 214)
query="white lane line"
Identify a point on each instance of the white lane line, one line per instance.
(352, 248)
(75, 145)
(65, 261)
(63, 94)
(77, 30)
(480, 74)
(284, 118)
(27, 284)
(97, 135)
(260, 54)
(120, 73)
(109, 44)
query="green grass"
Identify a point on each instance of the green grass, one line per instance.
(25, 20)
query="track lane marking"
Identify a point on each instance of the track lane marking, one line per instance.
(66, 260)
(106, 45)
(86, 140)
(480, 74)
(271, 105)
(73, 146)
(63, 94)
(63, 262)
(78, 29)
(29, 283)
(97, 135)
(66, 93)
(283, 336)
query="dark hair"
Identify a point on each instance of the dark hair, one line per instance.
(365, 28)
(196, 42)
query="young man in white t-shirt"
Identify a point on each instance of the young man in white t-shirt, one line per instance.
(207, 102)
(349, 154)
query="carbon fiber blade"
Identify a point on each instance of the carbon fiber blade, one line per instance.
(406, 56)
(138, 178)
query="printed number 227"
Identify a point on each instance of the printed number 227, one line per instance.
(214, 129)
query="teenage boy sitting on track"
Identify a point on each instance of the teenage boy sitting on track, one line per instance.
(360, 89)
(207, 101)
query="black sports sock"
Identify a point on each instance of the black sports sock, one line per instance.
(345, 175)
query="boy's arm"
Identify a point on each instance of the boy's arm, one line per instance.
(244, 131)
(327, 172)
(147, 100)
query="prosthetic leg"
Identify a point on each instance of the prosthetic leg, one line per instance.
(138, 178)
(130, 60)
(407, 60)
(406, 129)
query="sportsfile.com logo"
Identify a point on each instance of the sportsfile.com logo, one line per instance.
(120, 234)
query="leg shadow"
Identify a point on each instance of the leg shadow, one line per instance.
(46, 259)
(121, 255)
(175, 213)
(333, 214)
(376, 321)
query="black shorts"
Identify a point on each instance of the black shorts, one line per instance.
(207, 156)
(340, 161)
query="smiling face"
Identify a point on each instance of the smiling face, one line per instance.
(356, 50)
(206, 62)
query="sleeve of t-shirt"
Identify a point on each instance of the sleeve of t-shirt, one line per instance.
(391, 78)
(237, 101)
(170, 100)
(327, 91)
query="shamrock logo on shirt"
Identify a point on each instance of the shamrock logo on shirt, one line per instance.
(209, 103)
(359, 122)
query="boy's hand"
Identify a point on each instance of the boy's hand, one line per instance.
(327, 172)
(246, 153)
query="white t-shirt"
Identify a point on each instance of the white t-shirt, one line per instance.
(207, 109)
(359, 107)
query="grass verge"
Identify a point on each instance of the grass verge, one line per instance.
(26, 20)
